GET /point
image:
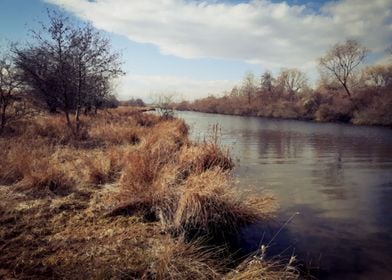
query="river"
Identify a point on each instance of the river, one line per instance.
(333, 183)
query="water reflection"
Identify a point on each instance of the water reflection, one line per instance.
(337, 176)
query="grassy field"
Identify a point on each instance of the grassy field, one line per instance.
(129, 197)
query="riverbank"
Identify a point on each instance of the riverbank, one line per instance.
(289, 116)
(337, 176)
(367, 107)
(131, 197)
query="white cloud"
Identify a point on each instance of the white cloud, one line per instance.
(273, 35)
(148, 86)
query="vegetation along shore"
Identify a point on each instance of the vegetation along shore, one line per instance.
(346, 91)
(113, 166)
(130, 198)
(90, 191)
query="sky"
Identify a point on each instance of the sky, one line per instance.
(196, 48)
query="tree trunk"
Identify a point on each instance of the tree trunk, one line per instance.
(347, 91)
(68, 119)
(77, 118)
(356, 108)
(3, 119)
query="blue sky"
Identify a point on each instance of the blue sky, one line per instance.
(196, 48)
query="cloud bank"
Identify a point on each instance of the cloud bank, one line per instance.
(146, 86)
(273, 35)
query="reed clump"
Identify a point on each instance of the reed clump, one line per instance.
(256, 267)
(202, 157)
(209, 207)
(177, 259)
(125, 199)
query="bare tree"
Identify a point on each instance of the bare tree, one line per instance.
(138, 102)
(379, 76)
(235, 92)
(10, 85)
(94, 65)
(68, 66)
(164, 104)
(249, 86)
(342, 60)
(266, 82)
(292, 81)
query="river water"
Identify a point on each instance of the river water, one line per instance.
(333, 183)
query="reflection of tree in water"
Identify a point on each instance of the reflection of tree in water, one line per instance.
(337, 176)
(330, 177)
(282, 144)
(383, 208)
(353, 145)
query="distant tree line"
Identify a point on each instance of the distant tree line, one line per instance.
(345, 92)
(137, 102)
(66, 67)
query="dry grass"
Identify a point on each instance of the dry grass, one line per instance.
(113, 202)
(256, 268)
(115, 134)
(202, 157)
(208, 205)
(177, 259)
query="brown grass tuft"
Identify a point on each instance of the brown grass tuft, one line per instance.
(12, 163)
(17, 158)
(202, 157)
(209, 206)
(176, 259)
(256, 267)
(101, 169)
(113, 133)
(55, 130)
(46, 178)
(146, 120)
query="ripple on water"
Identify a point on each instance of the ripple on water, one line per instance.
(339, 177)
